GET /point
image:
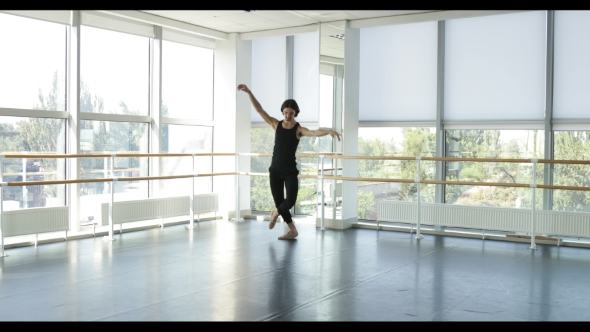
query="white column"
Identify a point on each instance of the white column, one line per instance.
(73, 107)
(232, 121)
(350, 120)
(155, 108)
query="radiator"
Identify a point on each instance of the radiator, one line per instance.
(35, 220)
(157, 208)
(575, 224)
(205, 203)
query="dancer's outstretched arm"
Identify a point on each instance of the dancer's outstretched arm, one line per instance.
(267, 118)
(318, 132)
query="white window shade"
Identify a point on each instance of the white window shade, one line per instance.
(111, 22)
(398, 70)
(571, 80)
(306, 76)
(55, 16)
(269, 75)
(187, 38)
(495, 67)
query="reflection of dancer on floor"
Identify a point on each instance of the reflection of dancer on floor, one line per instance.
(283, 169)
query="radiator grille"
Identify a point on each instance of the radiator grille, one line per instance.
(489, 218)
(155, 208)
(35, 220)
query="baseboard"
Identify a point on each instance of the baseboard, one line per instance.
(336, 223)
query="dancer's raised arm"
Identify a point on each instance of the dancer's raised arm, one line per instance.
(267, 118)
(317, 133)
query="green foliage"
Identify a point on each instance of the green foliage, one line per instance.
(487, 144)
(417, 142)
(366, 204)
(572, 145)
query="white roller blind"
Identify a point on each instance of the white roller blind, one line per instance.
(268, 75)
(306, 75)
(115, 23)
(571, 98)
(55, 16)
(187, 38)
(398, 68)
(495, 67)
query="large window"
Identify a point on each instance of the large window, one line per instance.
(112, 138)
(114, 72)
(187, 81)
(493, 144)
(186, 139)
(393, 141)
(32, 64)
(571, 145)
(32, 135)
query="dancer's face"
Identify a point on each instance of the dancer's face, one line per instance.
(289, 114)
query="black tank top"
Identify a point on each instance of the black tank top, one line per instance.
(283, 154)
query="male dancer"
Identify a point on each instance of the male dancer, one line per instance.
(283, 169)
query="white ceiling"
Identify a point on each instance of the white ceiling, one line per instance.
(239, 21)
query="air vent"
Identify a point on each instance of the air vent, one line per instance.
(340, 36)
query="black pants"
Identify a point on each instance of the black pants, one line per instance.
(280, 181)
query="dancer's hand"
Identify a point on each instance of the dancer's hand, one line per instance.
(334, 133)
(243, 87)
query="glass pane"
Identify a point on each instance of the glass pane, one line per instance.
(114, 72)
(495, 67)
(187, 81)
(186, 139)
(308, 198)
(326, 101)
(571, 145)
(306, 71)
(572, 64)
(268, 75)
(394, 141)
(262, 141)
(32, 135)
(33, 71)
(493, 144)
(398, 72)
(111, 137)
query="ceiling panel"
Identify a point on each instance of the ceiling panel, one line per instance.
(275, 15)
(266, 25)
(211, 22)
(221, 13)
(298, 21)
(179, 15)
(243, 18)
(370, 13)
(335, 16)
(235, 28)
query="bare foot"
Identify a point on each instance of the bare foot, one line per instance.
(289, 235)
(274, 216)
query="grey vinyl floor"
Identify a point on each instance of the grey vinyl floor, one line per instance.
(225, 271)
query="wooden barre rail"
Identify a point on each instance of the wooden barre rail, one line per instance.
(122, 155)
(301, 176)
(328, 155)
(470, 183)
(163, 177)
(505, 160)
